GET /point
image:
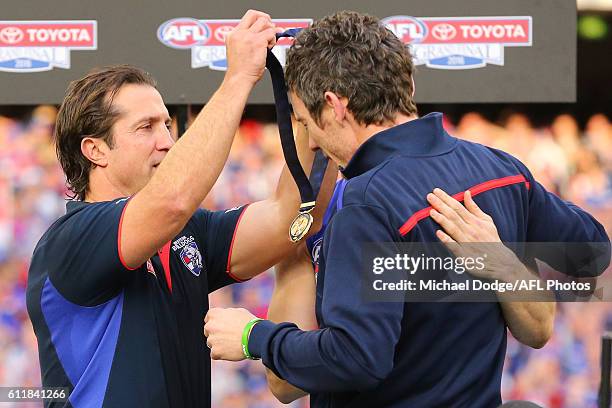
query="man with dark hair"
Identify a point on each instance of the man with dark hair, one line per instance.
(393, 354)
(118, 287)
(88, 113)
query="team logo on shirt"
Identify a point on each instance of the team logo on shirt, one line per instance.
(316, 250)
(190, 254)
(192, 258)
(314, 255)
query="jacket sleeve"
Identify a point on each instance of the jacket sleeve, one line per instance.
(582, 246)
(355, 349)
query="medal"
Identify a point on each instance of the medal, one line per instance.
(308, 187)
(300, 226)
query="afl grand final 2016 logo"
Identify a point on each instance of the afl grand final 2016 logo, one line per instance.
(461, 42)
(436, 42)
(35, 46)
(206, 39)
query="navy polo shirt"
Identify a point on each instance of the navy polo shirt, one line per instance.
(126, 338)
(313, 243)
(384, 354)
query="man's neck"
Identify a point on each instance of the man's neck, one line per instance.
(101, 189)
(363, 134)
(93, 196)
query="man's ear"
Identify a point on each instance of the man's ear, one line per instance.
(338, 105)
(95, 150)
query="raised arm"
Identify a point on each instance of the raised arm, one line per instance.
(161, 209)
(262, 237)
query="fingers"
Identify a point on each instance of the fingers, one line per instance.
(265, 28)
(442, 236)
(207, 320)
(446, 216)
(472, 207)
(261, 24)
(452, 245)
(247, 44)
(453, 204)
(442, 207)
(210, 314)
(453, 227)
(250, 18)
(270, 36)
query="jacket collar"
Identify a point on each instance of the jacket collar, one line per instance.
(419, 137)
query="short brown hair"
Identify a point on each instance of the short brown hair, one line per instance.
(87, 111)
(354, 56)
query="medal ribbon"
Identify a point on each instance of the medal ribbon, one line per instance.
(308, 187)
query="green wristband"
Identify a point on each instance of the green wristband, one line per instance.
(245, 338)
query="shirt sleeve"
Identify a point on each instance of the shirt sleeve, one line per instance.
(356, 348)
(584, 249)
(83, 256)
(217, 231)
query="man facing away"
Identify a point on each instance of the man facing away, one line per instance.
(118, 287)
(351, 84)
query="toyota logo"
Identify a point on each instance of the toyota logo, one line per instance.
(222, 32)
(444, 32)
(11, 35)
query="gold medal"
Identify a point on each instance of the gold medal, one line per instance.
(300, 226)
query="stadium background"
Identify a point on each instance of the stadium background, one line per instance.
(568, 147)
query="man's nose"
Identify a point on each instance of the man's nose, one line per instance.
(165, 140)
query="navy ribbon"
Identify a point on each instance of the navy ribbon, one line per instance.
(308, 187)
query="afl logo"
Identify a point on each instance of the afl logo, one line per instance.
(443, 32)
(183, 33)
(11, 35)
(408, 29)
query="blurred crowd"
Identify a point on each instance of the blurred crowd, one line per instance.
(572, 161)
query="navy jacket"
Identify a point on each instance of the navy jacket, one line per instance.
(377, 354)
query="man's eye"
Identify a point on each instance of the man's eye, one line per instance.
(146, 126)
